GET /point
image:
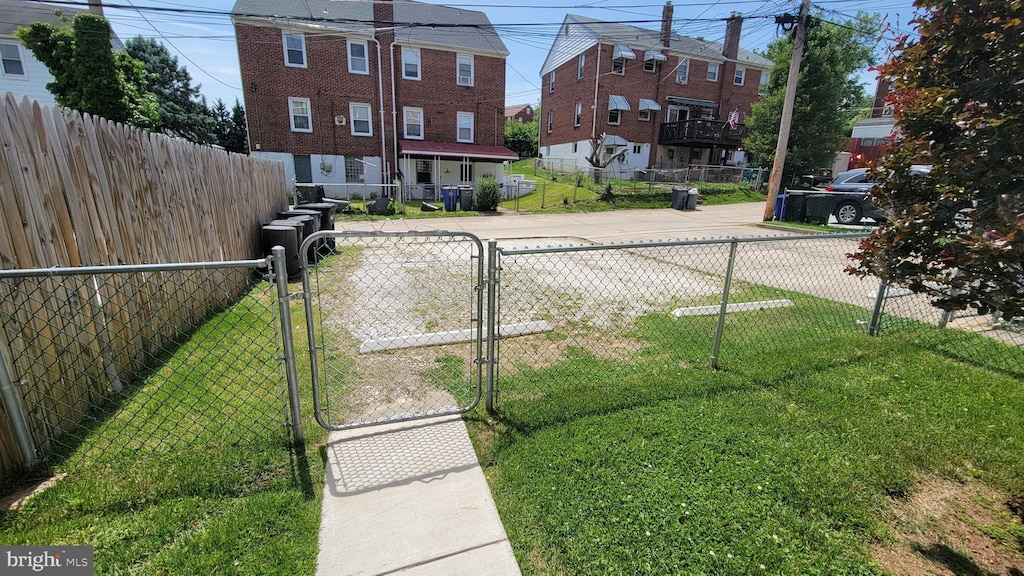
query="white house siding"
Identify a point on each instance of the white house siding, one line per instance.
(572, 39)
(334, 181)
(37, 76)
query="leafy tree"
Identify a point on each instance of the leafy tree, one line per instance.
(521, 138)
(88, 75)
(956, 233)
(182, 111)
(828, 95)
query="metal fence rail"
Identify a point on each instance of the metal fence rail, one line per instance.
(109, 361)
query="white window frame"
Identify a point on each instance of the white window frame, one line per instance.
(461, 59)
(619, 63)
(683, 71)
(308, 115)
(578, 113)
(617, 115)
(739, 76)
(581, 62)
(463, 118)
(352, 108)
(408, 56)
(638, 148)
(301, 49)
(551, 82)
(551, 120)
(406, 112)
(762, 86)
(713, 77)
(644, 115)
(650, 65)
(21, 61)
(353, 58)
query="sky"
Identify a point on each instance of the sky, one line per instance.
(205, 43)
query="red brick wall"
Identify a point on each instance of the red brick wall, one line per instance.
(329, 86)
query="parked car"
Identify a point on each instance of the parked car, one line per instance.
(852, 202)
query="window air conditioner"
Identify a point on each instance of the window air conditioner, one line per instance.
(340, 120)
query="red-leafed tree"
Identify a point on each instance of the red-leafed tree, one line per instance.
(956, 233)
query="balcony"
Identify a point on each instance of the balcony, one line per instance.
(701, 133)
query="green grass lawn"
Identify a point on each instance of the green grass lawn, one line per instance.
(783, 462)
(225, 497)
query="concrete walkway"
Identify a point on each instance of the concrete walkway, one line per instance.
(410, 498)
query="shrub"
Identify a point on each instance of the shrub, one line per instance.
(607, 195)
(487, 196)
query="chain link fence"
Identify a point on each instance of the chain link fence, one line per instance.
(127, 362)
(612, 311)
(395, 318)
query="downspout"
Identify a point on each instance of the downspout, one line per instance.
(394, 109)
(597, 77)
(380, 106)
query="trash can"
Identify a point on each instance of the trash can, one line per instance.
(308, 193)
(311, 224)
(679, 198)
(691, 198)
(818, 208)
(450, 198)
(796, 206)
(283, 236)
(326, 211)
(465, 198)
(780, 207)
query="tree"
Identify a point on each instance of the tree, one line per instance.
(88, 75)
(521, 138)
(956, 233)
(598, 159)
(182, 111)
(238, 133)
(828, 95)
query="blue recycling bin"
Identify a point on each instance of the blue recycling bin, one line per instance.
(780, 207)
(450, 197)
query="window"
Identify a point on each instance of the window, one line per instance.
(360, 119)
(579, 66)
(650, 65)
(712, 72)
(302, 120)
(551, 121)
(619, 66)
(10, 57)
(644, 114)
(578, 113)
(465, 127)
(683, 71)
(609, 150)
(677, 114)
(762, 86)
(551, 82)
(410, 63)
(357, 60)
(614, 116)
(424, 175)
(467, 172)
(737, 79)
(413, 123)
(294, 50)
(637, 148)
(465, 65)
(575, 147)
(355, 170)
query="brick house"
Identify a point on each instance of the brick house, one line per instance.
(661, 99)
(871, 136)
(355, 93)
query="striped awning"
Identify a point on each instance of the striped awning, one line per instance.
(616, 102)
(692, 102)
(646, 104)
(622, 52)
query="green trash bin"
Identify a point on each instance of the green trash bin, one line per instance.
(818, 208)
(796, 206)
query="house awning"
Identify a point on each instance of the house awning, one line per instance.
(646, 104)
(623, 52)
(616, 102)
(692, 102)
(455, 150)
(613, 140)
(654, 55)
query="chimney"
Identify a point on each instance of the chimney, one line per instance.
(96, 7)
(666, 24)
(383, 11)
(733, 26)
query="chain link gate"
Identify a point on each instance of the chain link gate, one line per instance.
(394, 325)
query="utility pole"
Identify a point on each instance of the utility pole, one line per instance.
(775, 179)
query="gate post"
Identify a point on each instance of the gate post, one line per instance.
(16, 413)
(725, 303)
(492, 288)
(876, 312)
(279, 269)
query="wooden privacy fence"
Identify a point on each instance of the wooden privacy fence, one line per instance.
(77, 190)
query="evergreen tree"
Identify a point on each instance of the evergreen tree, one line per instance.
(238, 134)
